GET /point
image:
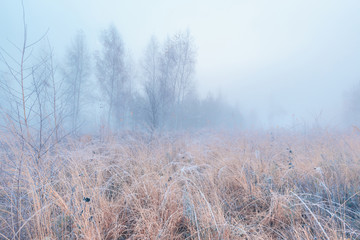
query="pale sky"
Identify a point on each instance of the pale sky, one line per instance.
(272, 58)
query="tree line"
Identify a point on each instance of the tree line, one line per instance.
(158, 93)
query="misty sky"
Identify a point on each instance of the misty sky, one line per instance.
(274, 59)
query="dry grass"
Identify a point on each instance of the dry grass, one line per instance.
(214, 186)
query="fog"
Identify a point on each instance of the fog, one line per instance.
(163, 119)
(278, 63)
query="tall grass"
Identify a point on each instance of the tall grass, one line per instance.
(203, 186)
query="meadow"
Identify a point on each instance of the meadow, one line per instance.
(203, 185)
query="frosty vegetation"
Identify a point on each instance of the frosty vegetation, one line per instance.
(96, 145)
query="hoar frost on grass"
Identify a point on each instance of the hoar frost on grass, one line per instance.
(205, 186)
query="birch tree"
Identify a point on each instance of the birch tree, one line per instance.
(177, 72)
(168, 72)
(152, 85)
(112, 74)
(76, 73)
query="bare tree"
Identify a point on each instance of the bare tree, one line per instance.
(183, 56)
(32, 116)
(178, 67)
(152, 84)
(76, 73)
(168, 75)
(112, 74)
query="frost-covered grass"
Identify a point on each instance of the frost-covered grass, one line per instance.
(198, 186)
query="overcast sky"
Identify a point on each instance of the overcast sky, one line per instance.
(274, 59)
